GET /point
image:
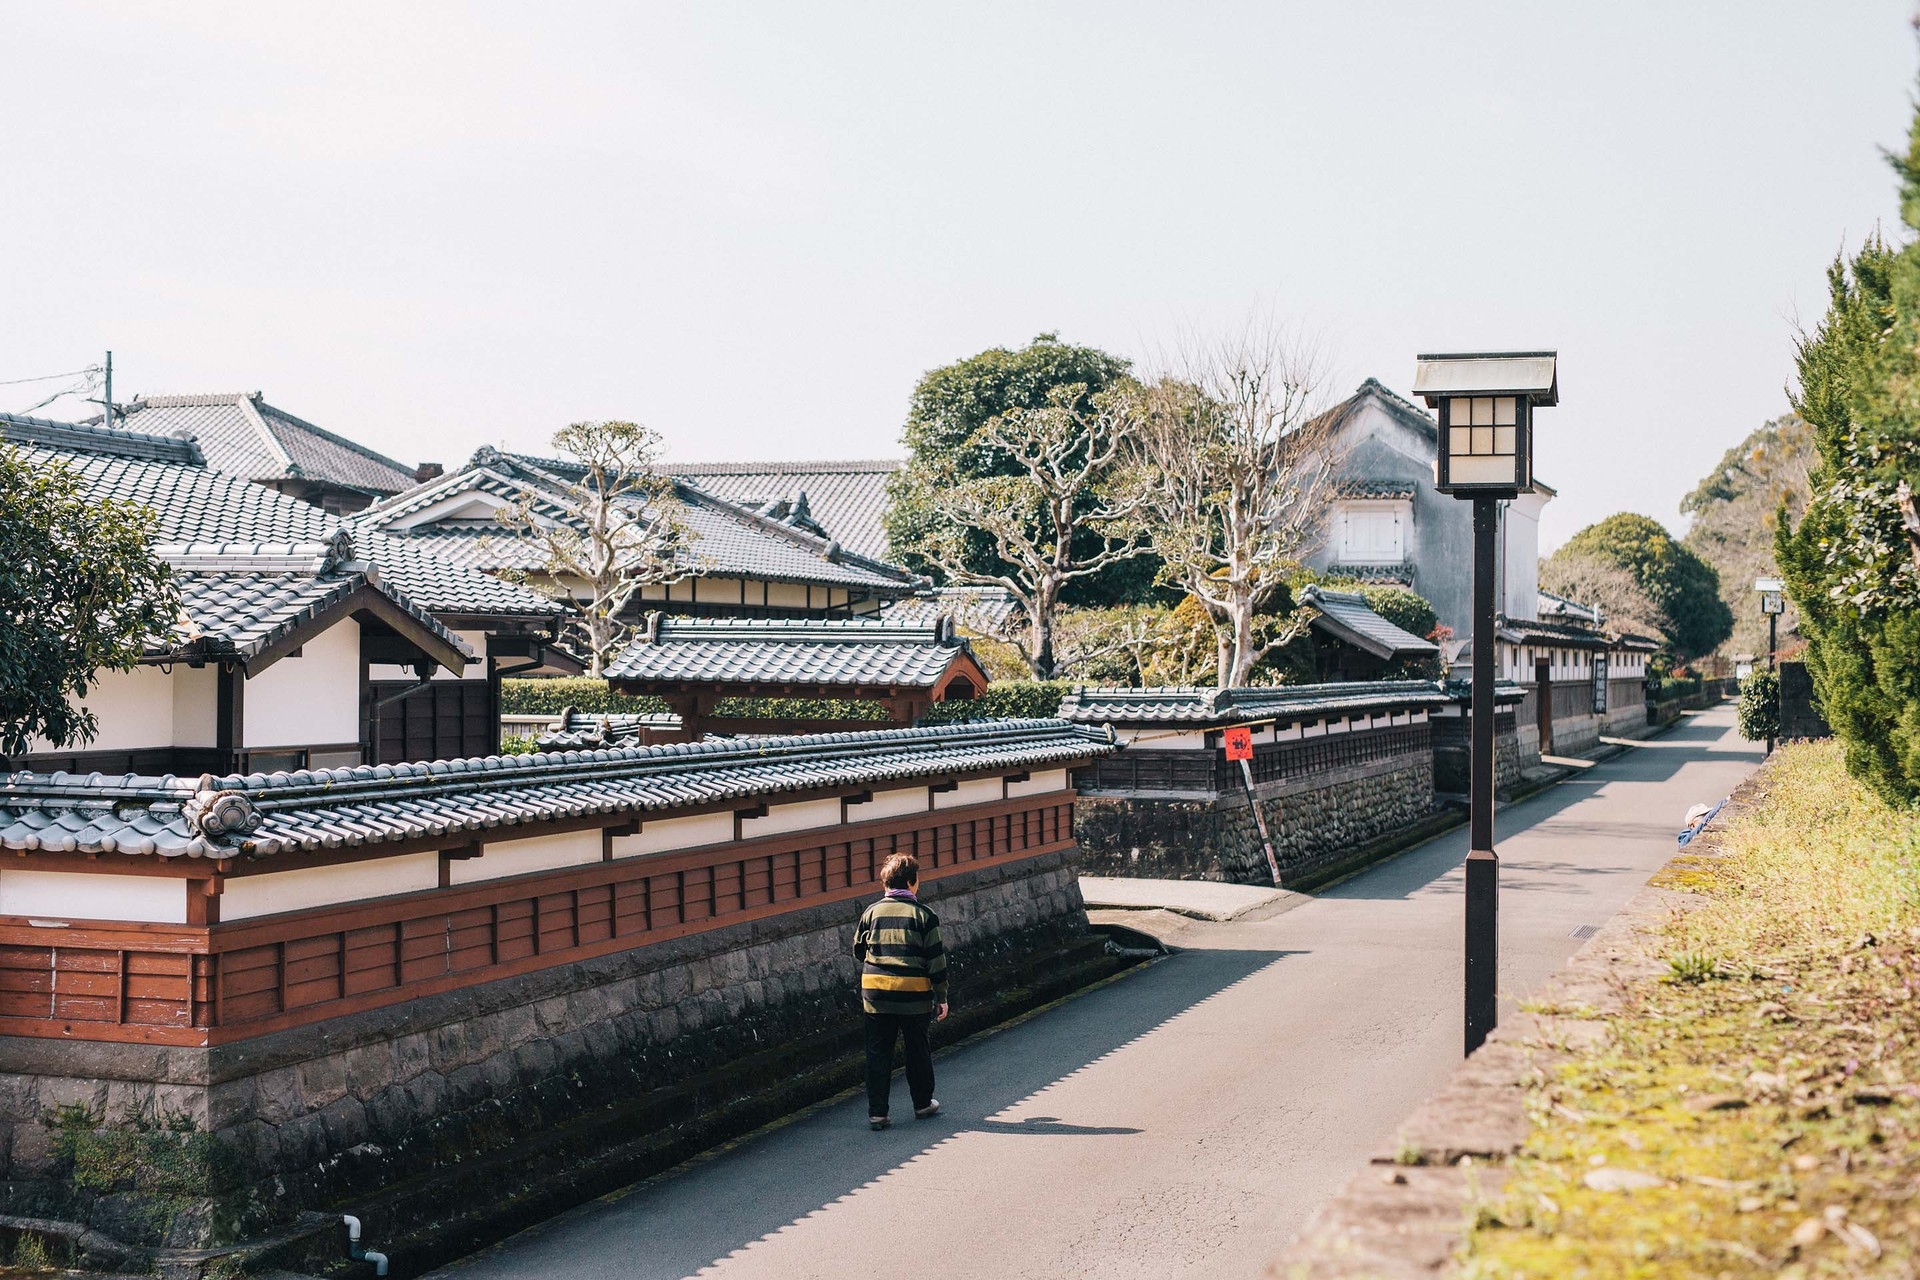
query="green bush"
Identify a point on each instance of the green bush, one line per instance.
(1008, 700)
(1667, 688)
(549, 697)
(1760, 706)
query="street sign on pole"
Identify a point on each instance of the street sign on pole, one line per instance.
(1239, 741)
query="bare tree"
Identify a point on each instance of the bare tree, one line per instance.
(1060, 519)
(1234, 464)
(1588, 579)
(602, 538)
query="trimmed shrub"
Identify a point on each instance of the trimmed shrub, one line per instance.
(1008, 700)
(549, 697)
(1760, 706)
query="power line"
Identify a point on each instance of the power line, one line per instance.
(49, 377)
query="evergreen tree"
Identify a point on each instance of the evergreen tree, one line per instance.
(1681, 587)
(1853, 564)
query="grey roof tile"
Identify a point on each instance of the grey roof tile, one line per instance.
(839, 652)
(242, 435)
(987, 611)
(111, 442)
(724, 540)
(312, 810)
(1208, 708)
(1348, 617)
(193, 504)
(847, 499)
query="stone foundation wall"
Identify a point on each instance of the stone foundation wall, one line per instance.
(1516, 748)
(396, 1113)
(1314, 823)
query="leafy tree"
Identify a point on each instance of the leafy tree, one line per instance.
(80, 593)
(1735, 512)
(1235, 465)
(950, 408)
(617, 529)
(1058, 519)
(1852, 566)
(1590, 578)
(1683, 589)
(1760, 706)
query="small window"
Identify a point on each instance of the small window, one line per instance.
(1372, 532)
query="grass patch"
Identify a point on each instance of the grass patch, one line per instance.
(1756, 1110)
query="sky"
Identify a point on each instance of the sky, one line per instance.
(753, 226)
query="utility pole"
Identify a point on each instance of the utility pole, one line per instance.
(108, 394)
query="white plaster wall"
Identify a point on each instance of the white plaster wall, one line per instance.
(890, 804)
(245, 897)
(786, 595)
(659, 835)
(61, 895)
(1039, 784)
(970, 791)
(1521, 575)
(502, 858)
(1165, 739)
(312, 698)
(792, 817)
(134, 709)
(196, 706)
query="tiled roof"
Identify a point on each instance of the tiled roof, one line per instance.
(112, 442)
(847, 499)
(1546, 631)
(1348, 617)
(1397, 575)
(1375, 489)
(839, 652)
(724, 540)
(495, 797)
(1213, 707)
(592, 729)
(1460, 690)
(194, 504)
(1558, 606)
(986, 611)
(242, 435)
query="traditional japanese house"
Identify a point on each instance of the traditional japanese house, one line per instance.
(240, 434)
(1388, 524)
(845, 501)
(304, 643)
(1355, 643)
(698, 664)
(1583, 679)
(739, 563)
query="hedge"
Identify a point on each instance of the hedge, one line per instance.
(549, 697)
(1005, 700)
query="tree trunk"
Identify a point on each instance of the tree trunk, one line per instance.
(1040, 632)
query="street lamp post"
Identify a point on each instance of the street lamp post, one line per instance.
(1773, 603)
(1485, 403)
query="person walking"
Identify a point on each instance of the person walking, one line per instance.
(903, 987)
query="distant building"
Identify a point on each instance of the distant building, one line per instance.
(1389, 524)
(844, 501)
(240, 434)
(742, 563)
(302, 643)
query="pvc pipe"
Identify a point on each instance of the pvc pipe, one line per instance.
(378, 1259)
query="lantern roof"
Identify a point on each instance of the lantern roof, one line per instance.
(1532, 374)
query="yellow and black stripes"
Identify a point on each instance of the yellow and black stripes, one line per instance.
(903, 966)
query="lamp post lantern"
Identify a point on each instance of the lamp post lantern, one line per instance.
(1485, 402)
(1773, 603)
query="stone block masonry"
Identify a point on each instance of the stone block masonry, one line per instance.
(449, 1120)
(1316, 821)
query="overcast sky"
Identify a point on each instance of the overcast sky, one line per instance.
(753, 226)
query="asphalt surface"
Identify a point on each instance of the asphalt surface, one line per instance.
(1183, 1121)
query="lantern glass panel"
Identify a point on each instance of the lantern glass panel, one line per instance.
(1482, 439)
(1460, 440)
(1503, 411)
(1503, 439)
(1483, 411)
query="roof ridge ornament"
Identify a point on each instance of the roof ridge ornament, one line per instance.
(216, 814)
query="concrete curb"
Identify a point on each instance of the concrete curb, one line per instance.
(1408, 1213)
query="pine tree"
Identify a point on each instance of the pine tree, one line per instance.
(1853, 563)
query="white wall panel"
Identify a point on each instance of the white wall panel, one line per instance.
(245, 897)
(970, 791)
(502, 858)
(890, 804)
(660, 835)
(312, 698)
(792, 817)
(61, 895)
(1039, 783)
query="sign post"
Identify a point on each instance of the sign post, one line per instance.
(1239, 740)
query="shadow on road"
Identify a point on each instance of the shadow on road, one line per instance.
(1698, 738)
(688, 1219)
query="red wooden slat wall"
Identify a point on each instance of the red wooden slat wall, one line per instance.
(180, 985)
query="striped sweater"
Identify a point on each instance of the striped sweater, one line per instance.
(903, 967)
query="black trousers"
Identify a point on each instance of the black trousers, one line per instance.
(882, 1029)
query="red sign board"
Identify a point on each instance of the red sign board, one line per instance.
(1239, 743)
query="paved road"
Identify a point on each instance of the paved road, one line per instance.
(1183, 1121)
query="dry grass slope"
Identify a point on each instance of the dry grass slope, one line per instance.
(1757, 1110)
